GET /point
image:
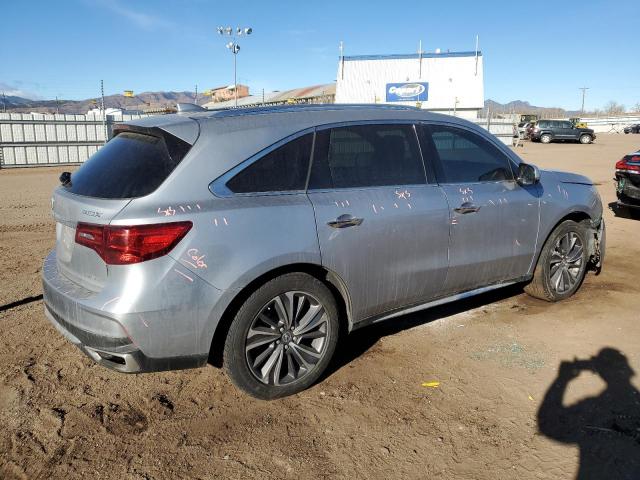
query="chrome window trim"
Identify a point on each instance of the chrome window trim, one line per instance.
(219, 186)
(351, 123)
(501, 147)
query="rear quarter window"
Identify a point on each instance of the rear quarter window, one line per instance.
(130, 165)
(281, 170)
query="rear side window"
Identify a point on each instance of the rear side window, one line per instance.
(130, 165)
(465, 157)
(284, 169)
(366, 156)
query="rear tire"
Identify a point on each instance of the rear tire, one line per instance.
(585, 139)
(545, 138)
(562, 264)
(283, 337)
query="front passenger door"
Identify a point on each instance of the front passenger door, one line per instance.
(494, 221)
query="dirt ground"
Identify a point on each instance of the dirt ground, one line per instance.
(496, 357)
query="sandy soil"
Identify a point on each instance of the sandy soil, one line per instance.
(495, 357)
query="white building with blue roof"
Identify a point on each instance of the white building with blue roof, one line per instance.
(447, 82)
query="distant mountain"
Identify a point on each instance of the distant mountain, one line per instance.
(139, 102)
(520, 106)
(147, 100)
(14, 102)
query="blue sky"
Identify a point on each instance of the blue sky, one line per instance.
(542, 55)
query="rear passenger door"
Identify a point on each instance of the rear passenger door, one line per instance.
(381, 226)
(494, 221)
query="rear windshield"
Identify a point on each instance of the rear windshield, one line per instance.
(129, 165)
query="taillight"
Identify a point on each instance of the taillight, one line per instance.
(630, 163)
(124, 245)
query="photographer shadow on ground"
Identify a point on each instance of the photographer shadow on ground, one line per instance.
(606, 427)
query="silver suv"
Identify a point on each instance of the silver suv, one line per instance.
(254, 239)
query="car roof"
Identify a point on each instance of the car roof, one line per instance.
(296, 115)
(225, 138)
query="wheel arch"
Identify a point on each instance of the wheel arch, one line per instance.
(575, 215)
(330, 279)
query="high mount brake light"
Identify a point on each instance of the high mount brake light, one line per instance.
(124, 245)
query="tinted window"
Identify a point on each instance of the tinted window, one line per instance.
(543, 124)
(467, 157)
(129, 165)
(566, 124)
(283, 169)
(366, 156)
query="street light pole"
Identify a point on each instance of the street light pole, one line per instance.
(235, 76)
(234, 48)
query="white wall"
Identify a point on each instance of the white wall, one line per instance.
(450, 76)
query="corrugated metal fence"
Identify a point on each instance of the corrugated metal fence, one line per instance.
(31, 139)
(28, 139)
(501, 128)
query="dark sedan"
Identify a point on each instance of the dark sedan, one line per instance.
(627, 181)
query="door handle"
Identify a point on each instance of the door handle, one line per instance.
(467, 207)
(344, 221)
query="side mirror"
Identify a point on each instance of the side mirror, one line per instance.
(65, 178)
(527, 174)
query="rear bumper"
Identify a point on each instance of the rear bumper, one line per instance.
(629, 194)
(126, 333)
(119, 353)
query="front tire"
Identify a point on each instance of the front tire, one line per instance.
(585, 139)
(283, 337)
(545, 138)
(562, 264)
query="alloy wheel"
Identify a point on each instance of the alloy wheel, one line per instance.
(566, 262)
(287, 338)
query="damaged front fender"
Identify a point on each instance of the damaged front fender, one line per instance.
(597, 245)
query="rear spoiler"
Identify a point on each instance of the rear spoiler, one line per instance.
(187, 130)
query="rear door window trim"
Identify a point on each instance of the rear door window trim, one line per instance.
(219, 186)
(412, 123)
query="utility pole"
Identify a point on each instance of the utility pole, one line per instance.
(477, 44)
(341, 60)
(196, 99)
(420, 59)
(584, 91)
(104, 116)
(57, 106)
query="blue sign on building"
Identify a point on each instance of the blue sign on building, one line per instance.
(408, 92)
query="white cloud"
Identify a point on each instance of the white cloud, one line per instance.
(142, 20)
(15, 90)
